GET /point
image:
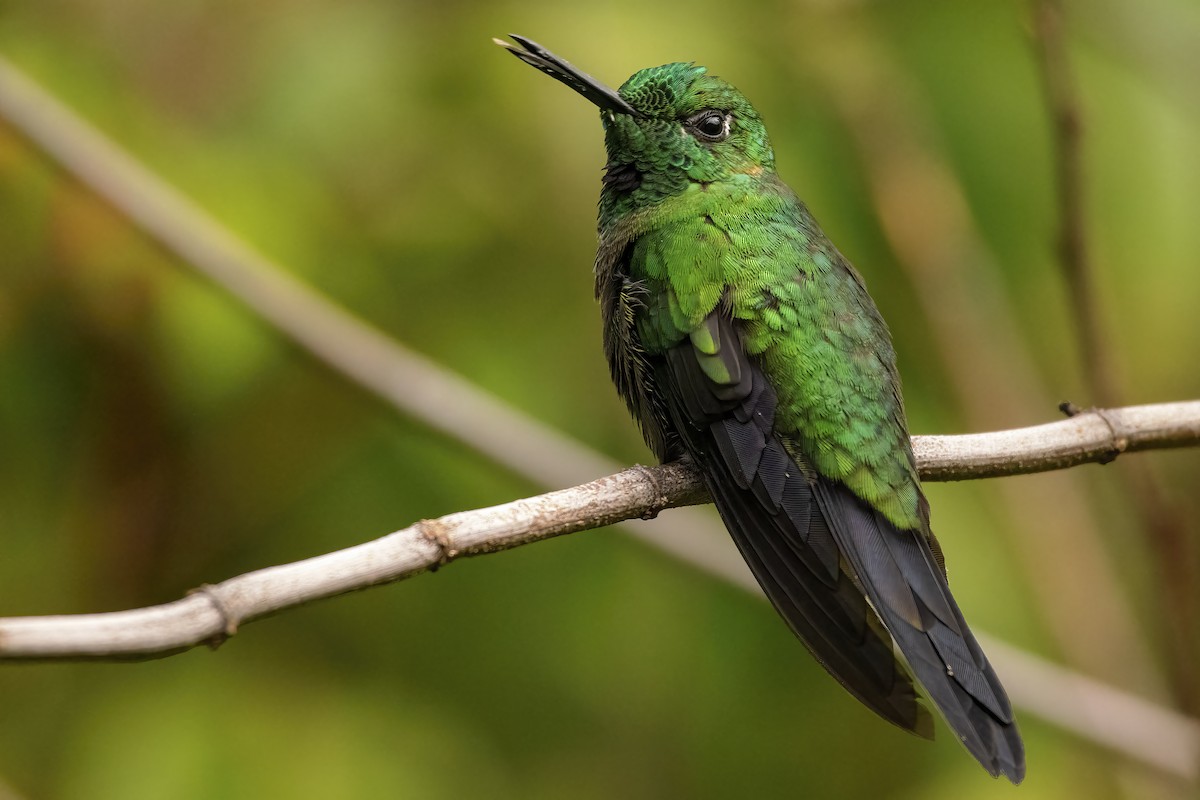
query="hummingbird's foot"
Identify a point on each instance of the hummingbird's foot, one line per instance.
(436, 534)
(660, 499)
(1120, 440)
(229, 619)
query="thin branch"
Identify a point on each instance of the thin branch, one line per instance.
(452, 405)
(213, 613)
(1088, 436)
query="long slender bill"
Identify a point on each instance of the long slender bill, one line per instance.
(562, 70)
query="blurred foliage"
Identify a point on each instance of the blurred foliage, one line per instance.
(155, 436)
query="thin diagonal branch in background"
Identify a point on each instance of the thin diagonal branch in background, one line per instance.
(408, 381)
(1165, 530)
(417, 387)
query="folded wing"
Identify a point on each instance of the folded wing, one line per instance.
(817, 549)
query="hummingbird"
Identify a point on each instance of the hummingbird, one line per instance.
(743, 341)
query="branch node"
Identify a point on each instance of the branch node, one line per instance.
(660, 500)
(435, 532)
(1120, 439)
(229, 620)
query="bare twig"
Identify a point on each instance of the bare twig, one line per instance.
(215, 612)
(1092, 435)
(212, 613)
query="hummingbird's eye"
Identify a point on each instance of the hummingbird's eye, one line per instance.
(710, 124)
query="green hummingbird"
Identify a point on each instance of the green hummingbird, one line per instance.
(741, 339)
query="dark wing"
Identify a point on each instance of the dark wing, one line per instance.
(811, 543)
(769, 506)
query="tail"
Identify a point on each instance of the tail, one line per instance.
(907, 587)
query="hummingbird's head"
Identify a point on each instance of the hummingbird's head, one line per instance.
(688, 123)
(666, 128)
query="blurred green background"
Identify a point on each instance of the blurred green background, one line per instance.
(155, 436)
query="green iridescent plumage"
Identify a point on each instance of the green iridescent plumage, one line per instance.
(742, 339)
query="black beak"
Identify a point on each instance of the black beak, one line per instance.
(536, 55)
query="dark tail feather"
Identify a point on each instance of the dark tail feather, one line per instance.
(904, 583)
